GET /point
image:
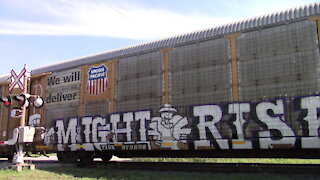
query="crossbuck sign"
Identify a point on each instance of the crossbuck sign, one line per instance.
(16, 79)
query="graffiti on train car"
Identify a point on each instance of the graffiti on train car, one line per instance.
(200, 129)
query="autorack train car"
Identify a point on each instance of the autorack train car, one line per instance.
(244, 89)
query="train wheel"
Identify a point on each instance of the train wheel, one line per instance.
(67, 157)
(71, 157)
(61, 156)
(10, 153)
(106, 157)
(10, 158)
(84, 159)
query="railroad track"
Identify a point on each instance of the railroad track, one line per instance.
(220, 167)
(195, 167)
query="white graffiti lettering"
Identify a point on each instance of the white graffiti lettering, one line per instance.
(127, 119)
(237, 125)
(87, 121)
(95, 133)
(239, 109)
(274, 122)
(213, 112)
(312, 105)
(142, 116)
(63, 136)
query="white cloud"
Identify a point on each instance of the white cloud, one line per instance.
(121, 19)
(102, 18)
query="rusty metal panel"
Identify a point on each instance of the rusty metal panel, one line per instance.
(12, 122)
(4, 114)
(98, 87)
(37, 116)
(4, 79)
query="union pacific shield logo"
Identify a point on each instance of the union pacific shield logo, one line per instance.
(97, 80)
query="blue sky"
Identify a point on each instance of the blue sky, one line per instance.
(43, 32)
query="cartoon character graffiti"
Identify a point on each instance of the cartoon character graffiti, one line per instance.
(168, 130)
(34, 120)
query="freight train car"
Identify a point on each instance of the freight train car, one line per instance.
(244, 89)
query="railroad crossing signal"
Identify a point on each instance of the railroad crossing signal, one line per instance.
(22, 99)
(16, 113)
(17, 79)
(38, 102)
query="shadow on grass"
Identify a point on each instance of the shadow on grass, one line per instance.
(105, 171)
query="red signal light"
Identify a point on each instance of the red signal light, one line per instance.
(7, 103)
(6, 100)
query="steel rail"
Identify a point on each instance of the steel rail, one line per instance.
(194, 167)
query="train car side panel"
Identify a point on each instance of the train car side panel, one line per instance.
(249, 92)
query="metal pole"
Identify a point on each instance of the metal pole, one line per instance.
(19, 157)
(25, 91)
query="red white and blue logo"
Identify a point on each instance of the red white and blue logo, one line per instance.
(97, 80)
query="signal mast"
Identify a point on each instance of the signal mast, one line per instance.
(25, 133)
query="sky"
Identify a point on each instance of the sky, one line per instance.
(43, 32)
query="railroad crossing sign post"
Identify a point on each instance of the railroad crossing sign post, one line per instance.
(17, 79)
(22, 134)
(23, 85)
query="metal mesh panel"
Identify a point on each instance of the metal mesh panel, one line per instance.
(60, 111)
(285, 67)
(96, 108)
(139, 104)
(140, 66)
(279, 61)
(200, 73)
(281, 89)
(277, 40)
(144, 87)
(140, 82)
(201, 54)
(208, 97)
(198, 79)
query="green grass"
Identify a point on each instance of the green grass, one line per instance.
(105, 172)
(230, 160)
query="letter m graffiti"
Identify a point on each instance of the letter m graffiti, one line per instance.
(70, 133)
